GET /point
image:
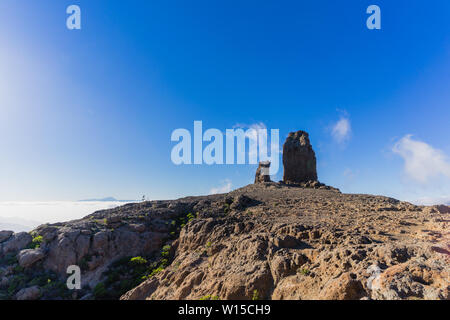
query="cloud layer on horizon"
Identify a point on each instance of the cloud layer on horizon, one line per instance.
(39, 212)
(224, 188)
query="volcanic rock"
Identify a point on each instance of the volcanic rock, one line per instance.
(262, 173)
(299, 159)
(28, 257)
(5, 235)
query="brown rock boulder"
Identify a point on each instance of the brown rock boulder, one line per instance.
(28, 257)
(345, 287)
(299, 159)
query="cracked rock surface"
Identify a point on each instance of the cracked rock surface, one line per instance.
(286, 242)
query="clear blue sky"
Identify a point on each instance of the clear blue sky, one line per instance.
(89, 113)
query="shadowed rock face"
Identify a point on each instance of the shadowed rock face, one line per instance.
(299, 159)
(262, 173)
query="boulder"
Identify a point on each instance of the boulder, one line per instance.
(262, 173)
(5, 235)
(61, 254)
(31, 293)
(442, 208)
(28, 257)
(4, 282)
(412, 279)
(16, 242)
(299, 159)
(344, 287)
(137, 227)
(241, 202)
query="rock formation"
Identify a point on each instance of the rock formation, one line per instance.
(299, 159)
(306, 243)
(265, 240)
(262, 173)
(273, 241)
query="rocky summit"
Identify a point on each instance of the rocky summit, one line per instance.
(299, 159)
(296, 239)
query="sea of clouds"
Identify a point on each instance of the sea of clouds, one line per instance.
(25, 216)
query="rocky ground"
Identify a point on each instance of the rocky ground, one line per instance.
(272, 241)
(264, 241)
(130, 239)
(297, 239)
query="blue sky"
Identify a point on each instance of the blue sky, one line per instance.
(89, 113)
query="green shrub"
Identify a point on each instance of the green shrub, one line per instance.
(304, 271)
(209, 297)
(18, 269)
(100, 291)
(36, 242)
(9, 259)
(138, 261)
(190, 217)
(165, 251)
(84, 262)
(156, 271)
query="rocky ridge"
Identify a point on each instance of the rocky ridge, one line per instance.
(295, 239)
(265, 241)
(285, 242)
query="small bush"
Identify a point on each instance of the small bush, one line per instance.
(138, 261)
(155, 271)
(100, 291)
(84, 262)
(304, 271)
(36, 242)
(209, 297)
(190, 217)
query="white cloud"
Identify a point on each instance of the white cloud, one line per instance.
(429, 201)
(422, 162)
(226, 187)
(262, 141)
(349, 174)
(253, 136)
(341, 130)
(35, 213)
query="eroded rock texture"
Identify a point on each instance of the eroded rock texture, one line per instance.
(299, 159)
(290, 242)
(299, 239)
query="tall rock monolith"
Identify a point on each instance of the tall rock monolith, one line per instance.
(299, 159)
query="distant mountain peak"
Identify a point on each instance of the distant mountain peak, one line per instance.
(101, 199)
